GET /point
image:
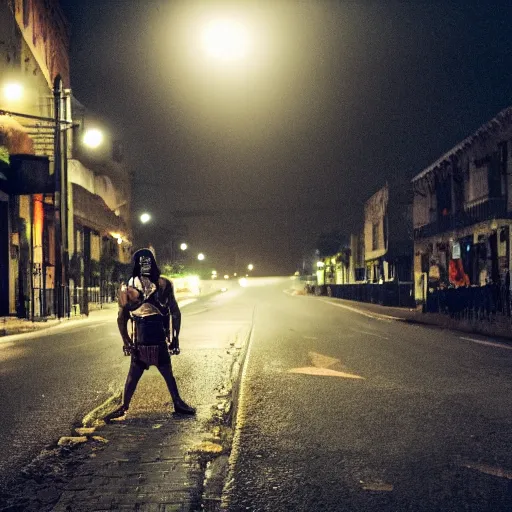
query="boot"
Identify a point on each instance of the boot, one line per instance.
(116, 413)
(183, 408)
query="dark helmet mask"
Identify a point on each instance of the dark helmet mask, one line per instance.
(145, 264)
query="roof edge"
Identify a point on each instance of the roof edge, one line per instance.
(468, 141)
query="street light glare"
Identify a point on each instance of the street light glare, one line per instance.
(13, 91)
(183, 246)
(226, 40)
(250, 266)
(200, 256)
(93, 138)
(145, 218)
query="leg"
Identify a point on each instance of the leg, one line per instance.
(134, 374)
(179, 404)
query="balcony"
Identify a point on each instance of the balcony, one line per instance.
(491, 208)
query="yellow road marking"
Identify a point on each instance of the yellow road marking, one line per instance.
(321, 366)
(377, 486)
(490, 470)
(321, 361)
(324, 372)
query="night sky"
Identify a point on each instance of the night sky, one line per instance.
(334, 99)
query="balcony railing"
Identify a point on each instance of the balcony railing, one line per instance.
(491, 208)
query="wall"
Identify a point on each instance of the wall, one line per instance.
(100, 185)
(46, 33)
(375, 215)
(476, 220)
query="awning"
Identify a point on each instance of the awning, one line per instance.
(93, 212)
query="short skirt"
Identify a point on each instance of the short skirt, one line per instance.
(151, 355)
(151, 342)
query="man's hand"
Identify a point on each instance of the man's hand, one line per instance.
(174, 346)
(127, 349)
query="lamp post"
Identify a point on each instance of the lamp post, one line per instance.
(59, 203)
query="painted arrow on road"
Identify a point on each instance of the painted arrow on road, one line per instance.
(322, 367)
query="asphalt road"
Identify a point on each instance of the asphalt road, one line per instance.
(50, 380)
(337, 410)
(340, 411)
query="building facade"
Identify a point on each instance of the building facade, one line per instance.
(462, 212)
(377, 265)
(46, 244)
(388, 240)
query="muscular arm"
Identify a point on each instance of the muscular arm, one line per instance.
(127, 296)
(168, 298)
(176, 316)
(122, 323)
(173, 314)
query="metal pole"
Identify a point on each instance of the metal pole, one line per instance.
(44, 309)
(65, 203)
(57, 162)
(31, 258)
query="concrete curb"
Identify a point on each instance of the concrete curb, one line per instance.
(501, 330)
(96, 416)
(235, 378)
(23, 326)
(462, 326)
(218, 471)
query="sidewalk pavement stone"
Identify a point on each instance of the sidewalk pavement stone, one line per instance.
(141, 468)
(155, 459)
(10, 325)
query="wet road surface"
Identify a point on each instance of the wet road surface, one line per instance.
(337, 410)
(341, 411)
(50, 380)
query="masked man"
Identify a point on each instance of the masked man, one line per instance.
(149, 302)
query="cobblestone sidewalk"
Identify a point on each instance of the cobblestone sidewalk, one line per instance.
(143, 467)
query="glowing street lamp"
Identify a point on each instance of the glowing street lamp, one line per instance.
(145, 218)
(93, 138)
(13, 91)
(200, 256)
(183, 246)
(226, 40)
(250, 266)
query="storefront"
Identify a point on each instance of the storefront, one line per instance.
(476, 256)
(26, 215)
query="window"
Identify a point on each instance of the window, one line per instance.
(478, 182)
(375, 236)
